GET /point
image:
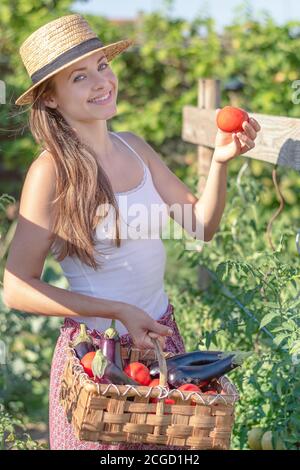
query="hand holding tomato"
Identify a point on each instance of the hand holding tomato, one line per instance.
(236, 133)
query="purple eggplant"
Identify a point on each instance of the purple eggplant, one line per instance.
(111, 345)
(188, 359)
(83, 343)
(197, 374)
(106, 371)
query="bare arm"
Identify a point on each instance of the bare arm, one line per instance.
(205, 214)
(227, 147)
(38, 297)
(213, 199)
(23, 288)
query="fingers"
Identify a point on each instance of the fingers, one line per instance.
(153, 335)
(144, 342)
(147, 343)
(249, 130)
(160, 329)
(255, 124)
(246, 140)
(161, 339)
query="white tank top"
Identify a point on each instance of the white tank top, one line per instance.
(134, 272)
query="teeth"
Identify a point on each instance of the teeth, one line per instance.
(100, 99)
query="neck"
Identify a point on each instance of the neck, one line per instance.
(98, 138)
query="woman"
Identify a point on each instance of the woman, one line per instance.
(73, 201)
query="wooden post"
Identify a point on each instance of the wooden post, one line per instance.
(140, 28)
(208, 98)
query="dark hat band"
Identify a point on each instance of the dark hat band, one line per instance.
(66, 57)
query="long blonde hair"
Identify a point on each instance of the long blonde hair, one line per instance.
(81, 183)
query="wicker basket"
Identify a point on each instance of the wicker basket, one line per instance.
(123, 413)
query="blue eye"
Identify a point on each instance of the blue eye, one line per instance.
(104, 63)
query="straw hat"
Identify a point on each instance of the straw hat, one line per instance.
(58, 44)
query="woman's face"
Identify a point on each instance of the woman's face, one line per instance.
(74, 90)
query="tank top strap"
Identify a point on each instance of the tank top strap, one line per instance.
(132, 149)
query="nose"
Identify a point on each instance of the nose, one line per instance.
(101, 88)
(99, 81)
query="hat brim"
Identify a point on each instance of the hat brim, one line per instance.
(111, 51)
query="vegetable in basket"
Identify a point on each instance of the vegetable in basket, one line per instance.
(138, 372)
(111, 345)
(190, 388)
(196, 374)
(106, 371)
(83, 343)
(188, 359)
(86, 362)
(167, 401)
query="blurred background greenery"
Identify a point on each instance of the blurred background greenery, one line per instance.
(257, 61)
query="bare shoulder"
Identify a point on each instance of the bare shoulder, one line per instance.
(45, 159)
(40, 180)
(34, 232)
(45, 167)
(138, 144)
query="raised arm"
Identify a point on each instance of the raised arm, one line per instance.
(204, 214)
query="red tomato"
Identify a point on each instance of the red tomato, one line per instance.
(203, 384)
(168, 401)
(138, 372)
(211, 392)
(230, 119)
(154, 383)
(86, 362)
(189, 388)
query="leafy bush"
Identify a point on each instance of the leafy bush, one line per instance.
(251, 304)
(10, 436)
(253, 287)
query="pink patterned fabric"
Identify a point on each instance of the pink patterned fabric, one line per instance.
(61, 433)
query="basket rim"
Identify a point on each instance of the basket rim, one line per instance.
(157, 391)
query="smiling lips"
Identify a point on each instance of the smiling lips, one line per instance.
(101, 99)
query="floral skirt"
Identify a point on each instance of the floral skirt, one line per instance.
(61, 432)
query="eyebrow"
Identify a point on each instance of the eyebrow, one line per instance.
(84, 68)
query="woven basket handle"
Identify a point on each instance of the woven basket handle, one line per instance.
(161, 362)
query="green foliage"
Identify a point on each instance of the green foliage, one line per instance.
(26, 349)
(29, 341)
(252, 303)
(163, 67)
(17, 21)
(10, 436)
